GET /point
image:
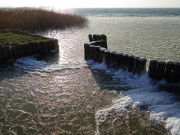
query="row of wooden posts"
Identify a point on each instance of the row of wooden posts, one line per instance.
(97, 50)
(22, 50)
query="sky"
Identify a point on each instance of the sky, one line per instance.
(92, 3)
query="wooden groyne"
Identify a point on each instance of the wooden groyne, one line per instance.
(97, 50)
(14, 49)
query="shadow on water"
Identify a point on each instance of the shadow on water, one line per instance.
(107, 82)
(105, 79)
(24, 65)
(171, 88)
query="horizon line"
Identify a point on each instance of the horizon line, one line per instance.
(87, 7)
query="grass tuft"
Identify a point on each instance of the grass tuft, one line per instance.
(9, 37)
(32, 19)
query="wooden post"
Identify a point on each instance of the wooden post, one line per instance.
(1, 56)
(96, 53)
(161, 70)
(113, 59)
(101, 56)
(142, 66)
(38, 47)
(94, 37)
(23, 52)
(176, 72)
(30, 48)
(169, 71)
(91, 52)
(130, 63)
(90, 38)
(86, 51)
(14, 52)
(125, 61)
(153, 69)
(119, 60)
(34, 47)
(136, 64)
(104, 37)
(107, 58)
(18, 51)
(4, 54)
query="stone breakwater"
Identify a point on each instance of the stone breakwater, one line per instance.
(97, 50)
(14, 50)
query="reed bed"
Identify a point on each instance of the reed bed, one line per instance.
(32, 19)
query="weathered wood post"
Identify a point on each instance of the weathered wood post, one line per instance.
(86, 51)
(142, 66)
(125, 61)
(26, 51)
(153, 69)
(98, 37)
(18, 51)
(45, 47)
(101, 54)
(169, 71)
(104, 44)
(29, 46)
(176, 72)
(1, 56)
(91, 52)
(90, 38)
(55, 45)
(38, 48)
(96, 53)
(107, 58)
(4, 54)
(49, 47)
(9, 51)
(52, 45)
(104, 37)
(113, 59)
(136, 64)
(130, 63)
(23, 52)
(119, 60)
(35, 47)
(14, 52)
(94, 37)
(161, 70)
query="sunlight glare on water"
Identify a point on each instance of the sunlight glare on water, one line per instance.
(149, 37)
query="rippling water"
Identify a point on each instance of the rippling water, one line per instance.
(53, 103)
(59, 94)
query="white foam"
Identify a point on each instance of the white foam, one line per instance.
(163, 106)
(29, 63)
(96, 65)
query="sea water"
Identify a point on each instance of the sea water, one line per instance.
(59, 94)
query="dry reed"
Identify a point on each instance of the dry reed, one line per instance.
(31, 19)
